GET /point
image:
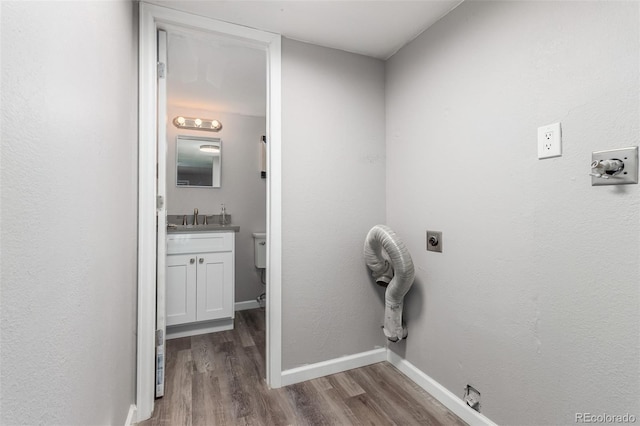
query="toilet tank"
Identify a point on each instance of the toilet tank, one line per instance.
(260, 249)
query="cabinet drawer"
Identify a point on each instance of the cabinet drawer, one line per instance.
(200, 242)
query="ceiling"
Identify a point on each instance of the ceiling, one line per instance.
(376, 28)
(210, 73)
(220, 74)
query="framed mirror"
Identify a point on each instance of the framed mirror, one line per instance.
(198, 161)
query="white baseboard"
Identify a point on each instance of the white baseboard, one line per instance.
(439, 392)
(333, 366)
(131, 416)
(196, 328)
(247, 304)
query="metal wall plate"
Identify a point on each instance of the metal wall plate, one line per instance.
(630, 172)
(434, 241)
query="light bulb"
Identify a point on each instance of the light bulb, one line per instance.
(209, 148)
(215, 124)
(198, 122)
(180, 121)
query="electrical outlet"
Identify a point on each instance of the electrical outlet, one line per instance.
(549, 141)
(434, 241)
(472, 397)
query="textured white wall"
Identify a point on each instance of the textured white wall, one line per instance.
(333, 192)
(242, 190)
(68, 236)
(535, 298)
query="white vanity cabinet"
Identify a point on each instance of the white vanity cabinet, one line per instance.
(200, 282)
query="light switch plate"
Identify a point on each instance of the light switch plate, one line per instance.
(550, 141)
(629, 156)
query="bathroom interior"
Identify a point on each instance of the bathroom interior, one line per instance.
(534, 298)
(215, 182)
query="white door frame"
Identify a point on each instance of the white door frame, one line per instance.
(161, 218)
(152, 18)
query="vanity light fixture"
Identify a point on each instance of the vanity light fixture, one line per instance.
(212, 149)
(194, 123)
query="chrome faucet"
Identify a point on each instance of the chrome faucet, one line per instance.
(195, 216)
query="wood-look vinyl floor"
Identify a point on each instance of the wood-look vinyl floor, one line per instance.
(217, 379)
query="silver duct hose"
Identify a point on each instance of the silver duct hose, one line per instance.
(393, 268)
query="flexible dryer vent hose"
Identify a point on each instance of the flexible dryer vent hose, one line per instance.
(397, 276)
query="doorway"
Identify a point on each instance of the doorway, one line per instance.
(152, 19)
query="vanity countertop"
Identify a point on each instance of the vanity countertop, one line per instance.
(213, 227)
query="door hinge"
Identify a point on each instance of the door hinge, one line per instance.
(161, 70)
(159, 337)
(159, 201)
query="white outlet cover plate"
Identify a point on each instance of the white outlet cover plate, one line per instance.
(550, 141)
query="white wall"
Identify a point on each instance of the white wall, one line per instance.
(333, 192)
(68, 236)
(535, 298)
(242, 190)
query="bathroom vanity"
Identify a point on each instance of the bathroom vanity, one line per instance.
(200, 280)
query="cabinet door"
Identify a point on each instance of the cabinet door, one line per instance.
(215, 286)
(181, 289)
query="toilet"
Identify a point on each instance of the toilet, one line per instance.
(260, 249)
(260, 260)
